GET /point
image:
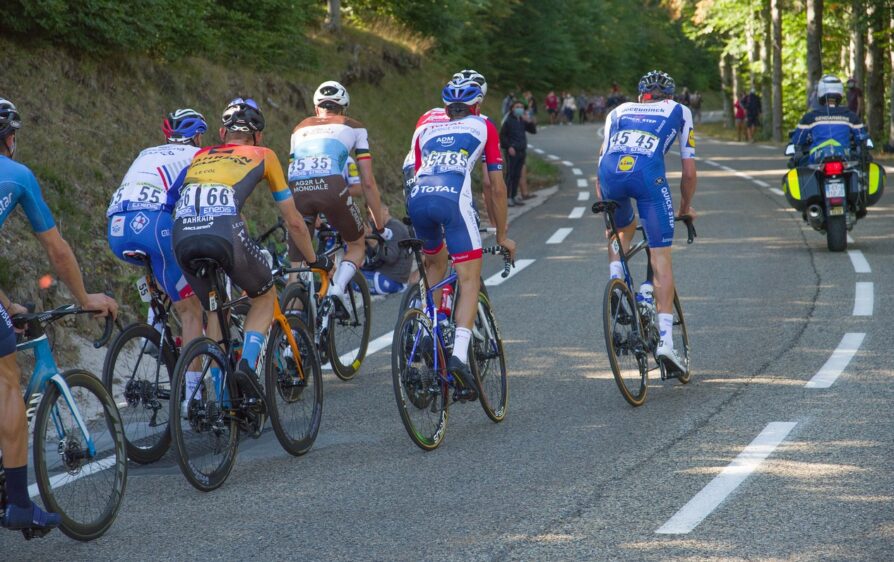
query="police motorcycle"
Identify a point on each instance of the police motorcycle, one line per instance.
(834, 191)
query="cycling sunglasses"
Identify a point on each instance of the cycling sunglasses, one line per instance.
(245, 101)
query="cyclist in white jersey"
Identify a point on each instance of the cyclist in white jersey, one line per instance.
(631, 165)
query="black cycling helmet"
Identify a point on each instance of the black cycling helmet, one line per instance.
(243, 115)
(10, 120)
(657, 80)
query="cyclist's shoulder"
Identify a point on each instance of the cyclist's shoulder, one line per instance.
(16, 172)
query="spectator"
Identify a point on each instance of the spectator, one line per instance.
(695, 105)
(854, 97)
(514, 140)
(532, 105)
(387, 267)
(684, 97)
(507, 104)
(569, 107)
(740, 119)
(552, 107)
(753, 110)
(615, 97)
(599, 108)
(581, 102)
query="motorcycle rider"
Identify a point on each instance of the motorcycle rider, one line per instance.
(831, 130)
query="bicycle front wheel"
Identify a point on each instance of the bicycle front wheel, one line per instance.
(623, 343)
(489, 362)
(295, 404)
(81, 474)
(422, 396)
(681, 340)
(349, 330)
(205, 435)
(137, 373)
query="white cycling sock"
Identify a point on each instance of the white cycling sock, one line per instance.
(665, 329)
(344, 274)
(150, 319)
(615, 270)
(193, 378)
(461, 344)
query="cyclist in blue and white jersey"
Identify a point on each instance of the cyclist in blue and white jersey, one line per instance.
(440, 205)
(18, 187)
(631, 164)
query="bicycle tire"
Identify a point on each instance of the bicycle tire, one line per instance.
(681, 340)
(108, 473)
(295, 298)
(284, 391)
(141, 401)
(486, 346)
(338, 347)
(210, 418)
(417, 387)
(629, 362)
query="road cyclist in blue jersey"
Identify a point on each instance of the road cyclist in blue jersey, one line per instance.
(631, 166)
(19, 188)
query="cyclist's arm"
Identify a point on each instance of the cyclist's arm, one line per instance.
(687, 154)
(283, 196)
(367, 180)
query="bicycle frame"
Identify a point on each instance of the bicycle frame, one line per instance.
(626, 255)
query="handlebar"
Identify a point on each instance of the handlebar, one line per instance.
(34, 322)
(507, 260)
(609, 206)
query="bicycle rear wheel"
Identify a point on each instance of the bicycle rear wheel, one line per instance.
(138, 376)
(207, 440)
(295, 405)
(489, 362)
(85, 487)
(349, 330)
(295, 298)
(628, 360)
(422, 396)
(681, 340)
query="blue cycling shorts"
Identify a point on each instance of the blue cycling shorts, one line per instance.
(437, 218)
(648, 185)
(7, 334)
(150, 232)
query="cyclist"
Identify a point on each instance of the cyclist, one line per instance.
(631, 164)
(440, 205)
(832, 129)
(320, 148)
(140, 216)
(208, 224)
(18, 186)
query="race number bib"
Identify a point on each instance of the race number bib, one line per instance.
(635, 142)
(311, 167)
(137, 196)
(206, 200)
(445, 162)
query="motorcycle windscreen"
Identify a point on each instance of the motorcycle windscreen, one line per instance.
(876, 181)
(801, 187)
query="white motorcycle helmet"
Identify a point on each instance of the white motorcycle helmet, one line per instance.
(829, 86)
(334, 92)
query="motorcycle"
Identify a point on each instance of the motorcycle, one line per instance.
(834, 191)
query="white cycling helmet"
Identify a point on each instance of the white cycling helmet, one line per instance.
(829, 86)
(475, 77)
(332, 91)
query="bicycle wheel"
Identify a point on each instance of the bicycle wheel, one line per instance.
(422, 396)
(349, 330)
(295, 298)
(488, 361)
(295, 405)
(83, 484)
(411, 298)
(206, 442)
(681, 340)
(623, 343)
(138, 377)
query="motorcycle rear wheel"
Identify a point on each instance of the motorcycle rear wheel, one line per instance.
(836, 233)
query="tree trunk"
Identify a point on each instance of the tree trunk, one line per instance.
(858, 44)
(766, 48)
(875, 70)
(776, 22)
(753, 50)
(726, 87)
(891, 76)
(333, 19)
(814, 44)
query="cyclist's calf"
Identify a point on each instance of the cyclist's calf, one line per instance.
(663, 279)
(469, 275)
(13, 427)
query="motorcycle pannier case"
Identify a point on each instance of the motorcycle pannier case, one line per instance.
(875, 182)
(800, 186)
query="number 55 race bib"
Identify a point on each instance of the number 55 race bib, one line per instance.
(206, 200)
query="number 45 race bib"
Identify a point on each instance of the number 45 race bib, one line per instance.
(206, 200)
(634, 142)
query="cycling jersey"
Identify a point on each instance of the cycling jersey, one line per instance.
(146, 184)
(7, 334)
(637, 136)
(829, 131)
(445, 153)
(351, 173)
(18, 186)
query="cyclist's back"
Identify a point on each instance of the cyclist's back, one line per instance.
(18, 186)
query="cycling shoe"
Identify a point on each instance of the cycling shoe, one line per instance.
(29, 519)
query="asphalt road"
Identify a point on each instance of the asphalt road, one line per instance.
(574, 472)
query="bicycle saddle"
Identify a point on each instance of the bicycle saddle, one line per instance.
(411, 243)
(604, 206)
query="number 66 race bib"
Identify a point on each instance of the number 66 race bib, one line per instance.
(206, 200)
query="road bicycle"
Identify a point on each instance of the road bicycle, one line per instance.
(207, 438)
(80, 460)
(631, 327)
(423, 388)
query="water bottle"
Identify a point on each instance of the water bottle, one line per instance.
(645, 296)
(446, 300)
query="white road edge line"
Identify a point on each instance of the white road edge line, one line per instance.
(583, 196)
(559, 236)
(577, 171)
(761, 183)
(567, 163)
(864, 297)
(581, 182)
(577, 212)
(859, 261)
(850, 239)
(777, 191)
(836, 364)
(538, 150)
(498, 279)
(717, 490)
(552, 156)
(375, 345)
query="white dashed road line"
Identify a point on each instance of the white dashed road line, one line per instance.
(712, 495)
(567, 163)
(761, 183)
(552, 156)
(64, 478)
(577, 171)
(864, 298)
(375, 345)
(581, 182)
(836, 364)
(539, 150)
(777, 191)
(859, 261)
(498, 279)
(583, 196)
(559, 236)
(577, 212)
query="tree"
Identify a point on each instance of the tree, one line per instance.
(776, 23)
(857, 44)
(814, 44)
(875, 68)
(333, 18)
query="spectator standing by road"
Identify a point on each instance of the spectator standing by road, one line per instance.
(581, 102)
(695, 105)
(532, 105)
(552, 107)
(753, 110)
(740, 118)
(854, 97)
(387, 267)
(507, 104)
(514, 140)
(568, 107)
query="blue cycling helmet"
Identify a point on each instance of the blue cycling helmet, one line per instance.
(466, 92)
(182, 125)
(10, 120)
(657, 80)
(243, 115)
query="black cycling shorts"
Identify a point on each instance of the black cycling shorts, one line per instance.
(7, 334)
(225, 240)
(329, 196)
